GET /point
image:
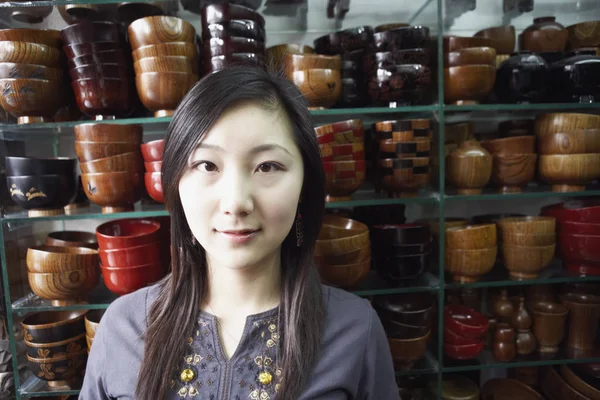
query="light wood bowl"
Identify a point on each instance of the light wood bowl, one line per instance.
(321, 87)
(92, 321)
(510, 145)
(301, 62)
(344, 276)
(48, 37)
(469, 265)
(161, 92)
(583, 34)
(469, 170)
(344, 258)
(471, 56)
(89, 342)
(340, 235)
(30, 53)
(525, 262)
(525, 239)
(512, 172)
(532, 225)
(160, 29)
(582, 141)
(30, 71)
(569, 172)
(471, 237)
(468, 84)
(171, 49)
(31, 100)
(547, 124)
(68, 285)
(165, 64)
(51, 259)
(275, 54)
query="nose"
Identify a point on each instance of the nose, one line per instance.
(236, 194)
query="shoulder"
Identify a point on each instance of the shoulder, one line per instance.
(347, 311)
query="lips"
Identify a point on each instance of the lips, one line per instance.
(240, 232)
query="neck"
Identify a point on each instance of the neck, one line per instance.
(243, 291)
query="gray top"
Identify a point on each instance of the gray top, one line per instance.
(355, 360)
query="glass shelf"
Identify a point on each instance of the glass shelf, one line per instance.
(486, 360)
(521, 107)
(424, 366)
(373, 285)
(34, 387)
(499, 277)
(533, 191)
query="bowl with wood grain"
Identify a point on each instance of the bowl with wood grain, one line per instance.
(275, 54)
(105, 97)
(29, 71)
(480, 236)
(583, 34)
(531, 225)
(165, 64)
(90, 151)
(51, 350)
(320, 87)
(501, 388)
(469, 265)
(71, 239)
(118, 57)
(470, 56)
(547, 124)
(124, 280)
(549, 321)
(42, 195)
(512, 172)
(389, 148)
(100, 132)
(178, 49)
(340, 235)
(66, 287)
(114, 191)
(469, 167)
(405, 181)
(31, 100)
(52, 327)
(353, 256)
(100, 71)
(401, 84)
(300, 62)
(406, 352)
(92, 321)
(160, 29)
(504, 36)
(468, 84)
(85, 49)
(579, 383)
(526, 262)
(161, 92)
(456, 43)
(47, 259)
(48, 37)
(344, 275)
(581, 141)
(121, 162)
(30, 53)
(527, 239)
(91, 31)
(569, 172)
(510, 145)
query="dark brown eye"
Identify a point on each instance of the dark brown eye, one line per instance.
(265, 167)
(207, 166)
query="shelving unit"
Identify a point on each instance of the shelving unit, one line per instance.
(435, 200)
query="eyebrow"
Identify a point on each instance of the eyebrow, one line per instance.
(254, 150)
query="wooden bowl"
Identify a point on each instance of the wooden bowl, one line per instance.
(554, 386)
(68, 285)
(42, 195)
(340, 235)
(583, 34)
(527, 225)
(352, 256)
(91, 31)
(53, 259)
(165, 64)
(30, 53)
(48, 37)
(525, 262)
(90, 151)
(417, 309)
(468, 84)
(51, 350)
(455, 43)
(117, 56)
(99, 71)
(578, 384)
(344, 275)
(215, 13)
(402, 83)
(92, 321)
(582, 141)
(161, 92)
(406, 352)
(234, 28)
(30, 71)
(545, 35)
(160, 29)
(171, 49)
(275, 54)
(569, 172)
(506, 389)
(347, 40)
(31, 100)
(301, 62)
(61, 370)
(468, 265)
(342, 152)
(100, 132)
(504, 36)
(549, 325)
(121, 162)
(470, 56)
(511, 145)
(231, 45)
(83, 49)
(114, 191)
(71, 239)
(321, 87)
(218, 63)
(469, 168)
(526, 239)
(512, 172)
(52, 327)
(406, 182)
(104, 97)
(341, 189)
(548, 124)
(471, 237)
(408, 37)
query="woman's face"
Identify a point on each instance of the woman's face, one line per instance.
(241, 187)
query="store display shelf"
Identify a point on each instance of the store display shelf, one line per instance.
(375, 286)
(499, 277)
(486, 360)
(426, 365)
(34, 387)
(522, 107)
(533, 191)
(45, 3)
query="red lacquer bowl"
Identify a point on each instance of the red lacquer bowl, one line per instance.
(154, 187)
(580, 228)
(465, 321)
(587, 210)
(126, 233)
(579, 248)
(452, 338)
(583, 269)
(463, 352)
(153, 166)
(129, 279)
(153, 151)
(132, 256)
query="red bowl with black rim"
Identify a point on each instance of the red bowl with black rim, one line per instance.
(587, 210)
(125, 233)
(463, 352)
(465, 321)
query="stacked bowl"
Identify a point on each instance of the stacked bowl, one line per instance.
(579, 235)
(232, 34)
(111, 164)
(464, 329)
(343, 252)
(504, 39)
(62, 274)
(402, 152)
(100, 69)
(469, 69)
(165, 56)
(43, 186)
(342, 152)
(528, 245)
(56, 348)
(513, 162)
(130, 254)
(400, 68)
(401, 252)
(569, 147)
(72, 239)
(31, 74)
(407, 319)
(470, 251)
(92, 320)
(351, 45)
(152, 152)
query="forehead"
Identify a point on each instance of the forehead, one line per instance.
(249, 125)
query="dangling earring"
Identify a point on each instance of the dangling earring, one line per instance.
(299, 230)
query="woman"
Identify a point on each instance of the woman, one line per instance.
(243, 314)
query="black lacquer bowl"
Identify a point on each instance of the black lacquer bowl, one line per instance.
(64, 368)
(58, 349)
(235, 28)
(409, 37)
(16, 166)
(407, 308)
(42, 192)
(52, 327)
(387, 59)
(576, 78)
(399, 269)
(360, 37)
(402, 84)
(522, 78)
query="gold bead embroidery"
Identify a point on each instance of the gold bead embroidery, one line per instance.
(187, 375)
(265, 378)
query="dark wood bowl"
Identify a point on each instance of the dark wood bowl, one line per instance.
(235, 28)
(231, 45)
(121, 162)
(58, 371)
(129, 11)
(400, 234)
(42, 194)
(409, 37)
(165, 64)
(345, 275)
(399, 330)
(321, 87)
(90, 151)
(92, 321)
(218, 63)
(52, 327)
(387, 27)
(504, 36)
(456, 43)
(342, 152)
(84, 49)
(126, 233)
(100, 71)
(579, 141)
(72, 239)
(117, 56)
(360, 37)
(113, 190)
(184, 49)
(160, 29)
(67, 286)
(161, 92)
(50, 258)
(583, 34)
(511, 145)
(91, 31)
(406, 352)
(468, 84)
(300, 62)
(215, 13)
(403, 84)
(274, 54)
(545, 35)
(470, 56)
(31, 100)
(409, 308)
(17, 166)
(48, 37)
(30, 53)
(100, 132)
(389, 59)
(50, 350)
(30, 71)
(104, 97)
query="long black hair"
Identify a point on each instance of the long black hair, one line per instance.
(301, 308)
